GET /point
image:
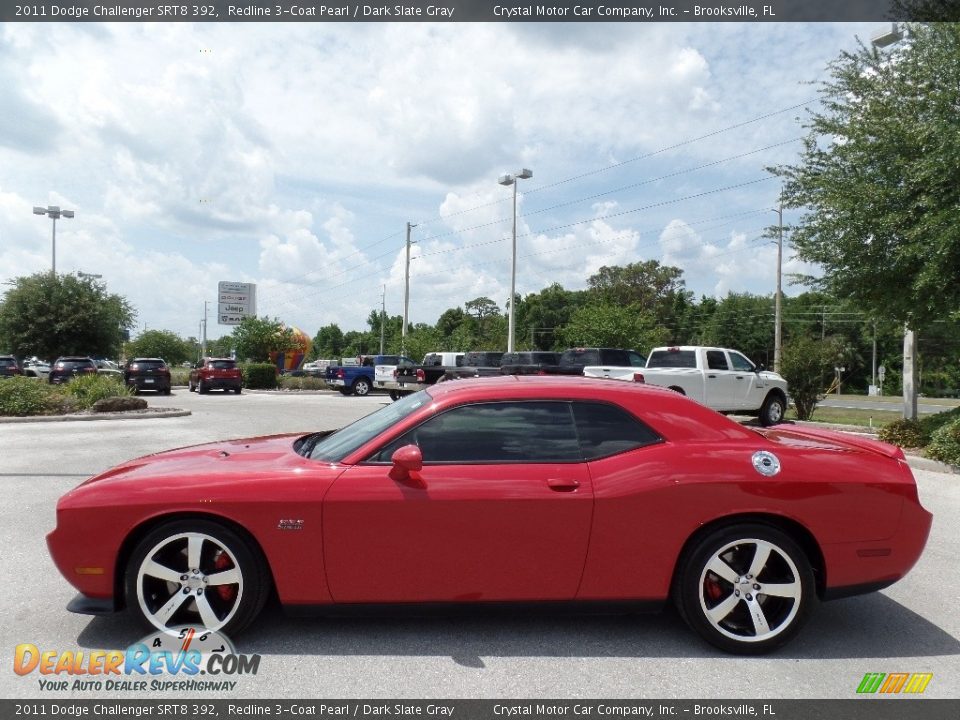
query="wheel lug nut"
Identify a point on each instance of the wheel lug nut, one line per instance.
(204, 578)
(186, 591)
(736, 593)
(749, 577)
(737, 579)
(749, 596)
(756, 587)
(183, 578)
(199, 591)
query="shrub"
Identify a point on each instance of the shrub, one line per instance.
(931, 423)
(905, 433)
(27, 396)
(259, 376)
(119, 404)
(179, 376)
(288, 382)
(807, 365)
(945, 443)
(87, 390)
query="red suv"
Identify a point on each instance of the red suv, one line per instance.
(67, 368)
(214, 374)
(147, 374)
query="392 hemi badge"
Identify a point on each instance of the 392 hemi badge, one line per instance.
(290, 524)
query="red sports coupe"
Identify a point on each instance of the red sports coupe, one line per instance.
(511, 489)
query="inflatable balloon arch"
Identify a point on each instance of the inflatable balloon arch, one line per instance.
(292, 359)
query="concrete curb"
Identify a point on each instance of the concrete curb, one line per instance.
(133, 415)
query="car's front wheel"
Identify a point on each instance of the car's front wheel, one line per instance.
(196, 573)
(361, 387)
(746, 589)
(773, 410)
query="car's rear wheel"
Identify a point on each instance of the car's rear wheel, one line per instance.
(395, 395)
(201, 388)
(746, 589)
(196, 573)
(237, 390)
(361, 387)
(190, 386)
(773, 410)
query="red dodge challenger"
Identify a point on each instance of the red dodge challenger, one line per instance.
(511, 489)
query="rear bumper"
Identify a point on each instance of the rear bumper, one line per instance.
(220, 383)
(407, 387)
(859, 567)
(142, 383)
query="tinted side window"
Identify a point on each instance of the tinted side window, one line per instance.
(509, 432)
(606, 430)
(636, 359)
(717, 360)
(617, 358)
(673, 359)
(580, 358)
(740, 363)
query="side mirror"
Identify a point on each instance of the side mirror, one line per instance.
(407, 461)
(759, 368)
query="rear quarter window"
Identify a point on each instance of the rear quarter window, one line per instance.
(606, 430)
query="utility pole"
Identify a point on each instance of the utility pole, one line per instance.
(778, 301)
(406, 295)
(909, 373)
(383, 315)
(203, 347)
(874, 380)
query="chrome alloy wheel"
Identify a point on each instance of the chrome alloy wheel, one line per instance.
(750, 590)
(189, 578)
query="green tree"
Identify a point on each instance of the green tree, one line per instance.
(648, 285)
(541, 314)
(602, 325)
(879, 176)
(162, 344)
(743, 322)
(256, 337)
(328, 343)
(52, 315)
(807, 366)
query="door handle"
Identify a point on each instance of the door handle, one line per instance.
(739, 377)
(712, 376)
(562, 484)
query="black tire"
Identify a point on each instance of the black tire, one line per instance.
(190, 386)
(233, 605)
(361, 387)
(345, 391)
(773, 409)
(237, 390)
(395, 395)
(167, 391)
(720, 594)
(201, 388)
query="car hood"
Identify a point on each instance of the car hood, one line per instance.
(231, 459)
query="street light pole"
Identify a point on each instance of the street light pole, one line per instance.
(509, 179)
(406, 295)
(54, 213)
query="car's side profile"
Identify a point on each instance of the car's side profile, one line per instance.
(529, 489)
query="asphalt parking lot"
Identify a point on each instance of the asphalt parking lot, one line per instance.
(911, 627)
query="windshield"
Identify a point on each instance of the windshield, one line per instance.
(335, 447)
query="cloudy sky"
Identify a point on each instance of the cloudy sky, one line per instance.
(293, 155)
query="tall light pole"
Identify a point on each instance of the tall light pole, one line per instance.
(54, 213)
(509, 179)
(778, 300)
(406, 295)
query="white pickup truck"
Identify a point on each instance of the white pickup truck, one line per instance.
(722, 379)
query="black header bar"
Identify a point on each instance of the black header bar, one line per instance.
(611, 11)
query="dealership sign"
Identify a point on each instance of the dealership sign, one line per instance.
(236, 302)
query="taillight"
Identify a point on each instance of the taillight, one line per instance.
(421, 376)
(638, 377)
(395, 373)
(341, 374)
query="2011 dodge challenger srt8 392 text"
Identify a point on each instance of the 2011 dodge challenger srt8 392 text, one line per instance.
(513, 489)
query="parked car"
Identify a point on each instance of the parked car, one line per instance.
(35, 368)
(357, 378)
(533, 362)
(574, 360)
(147, 374)
(216, 374)
(65, 369)
(720, 378)
(9, 367)
(477, 363)
(509, 489)
(383, 373)
(433, 369)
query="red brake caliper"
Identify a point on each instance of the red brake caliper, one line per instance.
(714, 591)
(221, 561)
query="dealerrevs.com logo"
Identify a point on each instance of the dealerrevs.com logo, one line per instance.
(894, 683)
(184, 660)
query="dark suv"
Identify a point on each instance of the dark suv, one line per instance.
(147, 374)
(67, 368)
(9, 367)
